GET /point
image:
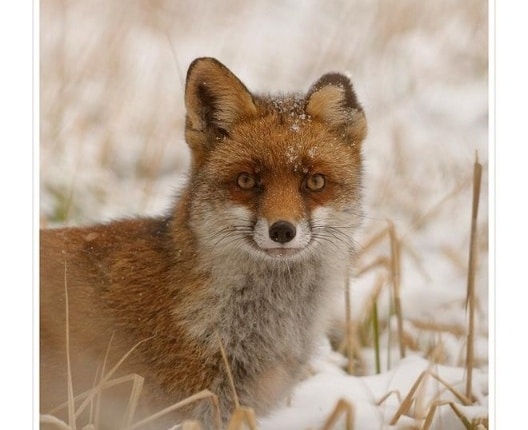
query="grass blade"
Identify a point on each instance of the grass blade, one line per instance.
(71, 401)
(396, 284)
(407, 402)
(228, 370)
(375, 326)
(342, 407)
(470, 300)
(202, 395)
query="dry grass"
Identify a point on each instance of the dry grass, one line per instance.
(470, 300)
(343, 407)
(395, 268)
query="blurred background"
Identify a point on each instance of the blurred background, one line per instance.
(112, 79)
(112, 121)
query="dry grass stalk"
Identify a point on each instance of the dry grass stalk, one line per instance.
(47, 419)
(342, 407)
(350, 346)
(374, 240)
(416, 258)
(95, 393)
(375, 327)
(438, 327)
(242, 417)
(135, 394)
(436, 352)
(386, 396)
(105, 383)
(395, 277)
(73, 413)
(95, 406)
(436, 208)
(465, 400)
(202, 395)
(453, 256)
(410, 398)
(137, 383)
(71, 402)
(102, 372)
(379, 261)
(368, 308)
(470, 301)
(430, 415)
(348, 328)
(228, 370)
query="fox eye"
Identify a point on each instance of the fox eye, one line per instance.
(315, 182)
(246, 181)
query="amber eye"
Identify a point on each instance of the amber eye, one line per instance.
(315, 182)
(246, 181)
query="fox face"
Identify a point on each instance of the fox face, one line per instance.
(273, 177)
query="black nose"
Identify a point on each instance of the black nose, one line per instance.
(282, 231)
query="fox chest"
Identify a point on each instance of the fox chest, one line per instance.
(269, 320)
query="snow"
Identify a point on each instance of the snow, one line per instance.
(315, 398)
(112, 119)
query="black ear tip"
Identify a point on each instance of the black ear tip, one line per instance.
(196, 62)
(334, 79)
(204, 62)
(340, 81)
(199, 60)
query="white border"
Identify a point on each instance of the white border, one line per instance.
(511, 215)
(491, 212)
(16, 170)
(36, 212)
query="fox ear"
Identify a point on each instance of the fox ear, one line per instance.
(215, 98)
(333, 101)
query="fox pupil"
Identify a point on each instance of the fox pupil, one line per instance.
(316, 182)
(246, 181)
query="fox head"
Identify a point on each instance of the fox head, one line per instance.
(272, 177)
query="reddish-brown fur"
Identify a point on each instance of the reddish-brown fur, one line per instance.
(139, 260)
(163, 289)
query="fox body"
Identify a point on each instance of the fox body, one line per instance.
(250, 257)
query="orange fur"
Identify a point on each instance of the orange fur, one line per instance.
(256, 266)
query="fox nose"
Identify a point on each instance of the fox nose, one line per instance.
(282, 231)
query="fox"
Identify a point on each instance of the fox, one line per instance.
(230, 290)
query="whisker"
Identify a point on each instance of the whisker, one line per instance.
(231, 234)
(334, 235)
